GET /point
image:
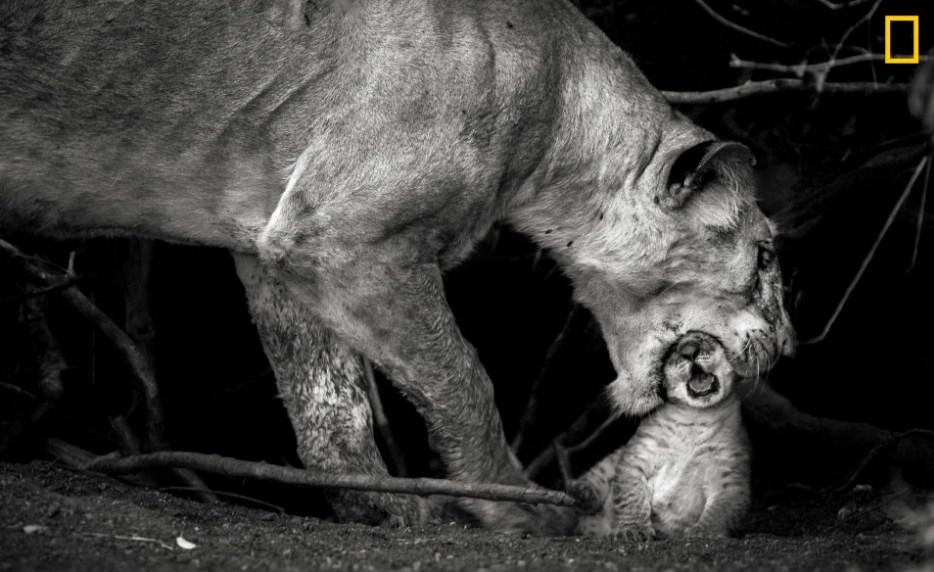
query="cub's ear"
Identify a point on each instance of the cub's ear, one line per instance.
(697, 167)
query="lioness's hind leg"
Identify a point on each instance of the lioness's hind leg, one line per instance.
(323, 386)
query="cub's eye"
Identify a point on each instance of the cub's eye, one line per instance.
(766, 257)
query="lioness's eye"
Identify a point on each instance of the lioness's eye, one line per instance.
(766, 257)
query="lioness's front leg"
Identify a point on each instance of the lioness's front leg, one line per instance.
(394, 311)
(322, 385)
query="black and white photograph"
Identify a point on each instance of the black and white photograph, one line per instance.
(466, 285)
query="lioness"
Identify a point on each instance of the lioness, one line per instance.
(349, 152)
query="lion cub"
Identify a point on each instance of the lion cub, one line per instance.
(686, 469)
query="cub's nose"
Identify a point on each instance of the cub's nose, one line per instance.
(693, 345)
(689, 349)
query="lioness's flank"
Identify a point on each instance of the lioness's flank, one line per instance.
(350, 157)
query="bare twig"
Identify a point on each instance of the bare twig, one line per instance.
(842, 5)
(263, 471)
(530, 412)
(134, 359)
(752, 88)
(821, 78)
(18, 390)
(804, 67)
(873, 454)
(396, 458)
(921, 209)
(126, 438)
(869, 256)
(572, 433)
(600, 430)
(41, 292)
(564, 463)
(742, 29)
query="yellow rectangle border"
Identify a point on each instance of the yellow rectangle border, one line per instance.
(916, 54)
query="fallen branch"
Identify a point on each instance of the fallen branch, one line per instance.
(265, 472)
(783, 85)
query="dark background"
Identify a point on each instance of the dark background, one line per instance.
(831, 167)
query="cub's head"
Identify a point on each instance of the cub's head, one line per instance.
(697, 372)
(667, 239)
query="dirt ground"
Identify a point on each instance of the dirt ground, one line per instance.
(54, 518)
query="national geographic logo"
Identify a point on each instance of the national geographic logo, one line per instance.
(898, 28)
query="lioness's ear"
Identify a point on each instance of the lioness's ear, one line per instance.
(697, 167)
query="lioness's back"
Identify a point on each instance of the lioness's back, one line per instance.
(111, 111)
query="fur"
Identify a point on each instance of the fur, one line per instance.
(355, 150)
(685, 472)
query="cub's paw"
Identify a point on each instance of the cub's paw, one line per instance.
(590, 497)
(634, 534)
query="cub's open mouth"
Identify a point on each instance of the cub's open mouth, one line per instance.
(702, 384)
(694, 365)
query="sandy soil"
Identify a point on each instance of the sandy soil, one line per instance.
(53, 518)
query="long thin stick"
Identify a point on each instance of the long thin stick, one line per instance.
(831, 6)
(382, 422)
(742, 29)
(262, 471)
(804, 67)
(530, 412)
(783, 85)
(921, 209)
(869, 256)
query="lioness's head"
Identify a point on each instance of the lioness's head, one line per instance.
(664, 238)
(696, 255)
